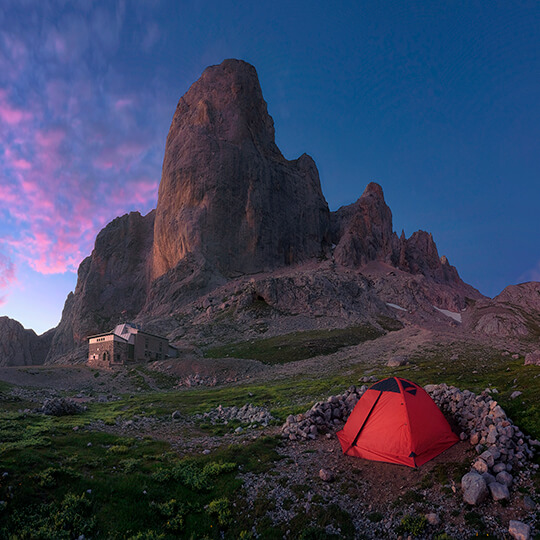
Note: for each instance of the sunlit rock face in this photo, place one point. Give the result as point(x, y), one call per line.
point(226, 190)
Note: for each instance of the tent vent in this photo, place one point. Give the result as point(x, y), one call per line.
point(387, 385)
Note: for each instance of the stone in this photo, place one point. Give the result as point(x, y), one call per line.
point(505, 478)
point(519, 530)
point(397, 361)
point(176, 415)
point(474, 488)
point(499, 492)
point(533, 358)
point(489, 478)
point(529, 503)
point(433, 519)
point(515, 394)
point(499, 467)
point(480, 466)
point(487, 456)
point(326, 476)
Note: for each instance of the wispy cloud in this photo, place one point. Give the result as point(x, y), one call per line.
point(7, 276)
point(532, 274)
point(78, 147)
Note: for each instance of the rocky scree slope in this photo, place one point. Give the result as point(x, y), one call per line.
point(231, 206)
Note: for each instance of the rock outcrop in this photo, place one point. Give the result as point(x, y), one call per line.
point(363, 232)
point(21, 347)
point(111, 286)
point(226, 190)
point(513, 313)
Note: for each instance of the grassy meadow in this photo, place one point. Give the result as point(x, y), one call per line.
point(61, 477)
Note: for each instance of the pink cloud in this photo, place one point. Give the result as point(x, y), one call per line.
point(9, 113)
point(122, 103)
point(78, 156)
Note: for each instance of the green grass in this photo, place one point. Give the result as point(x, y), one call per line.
point(115, 487)
point(296, 346)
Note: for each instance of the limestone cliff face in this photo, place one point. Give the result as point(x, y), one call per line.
point(111, 284)
point(362, 232)
point(21, 347)
point(226, 191)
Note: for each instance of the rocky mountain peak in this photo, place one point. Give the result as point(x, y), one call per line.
point(226, 102)
point(226, 191)
point(362, 231)
point(373, 190)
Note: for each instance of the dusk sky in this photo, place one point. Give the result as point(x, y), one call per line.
point(437, 101)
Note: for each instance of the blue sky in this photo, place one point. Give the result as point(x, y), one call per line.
point(436, 101)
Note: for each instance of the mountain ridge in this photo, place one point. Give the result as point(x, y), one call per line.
point(234, 216)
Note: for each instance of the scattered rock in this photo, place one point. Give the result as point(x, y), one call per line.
point(176, 415)
point(499, 492)
point(433, 519)
point(515, 394)
point(61, 407)
point(326, 475)
point(474, 488)
point(397, 361)
point(533, 358)
point(247, 414)
point(519, 530)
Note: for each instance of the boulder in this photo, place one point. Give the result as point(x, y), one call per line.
point(504, 478)
point(397, 361)
point(519, 530)
point(474, 488)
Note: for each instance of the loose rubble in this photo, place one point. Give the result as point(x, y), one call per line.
point(323, 417)
point(247, 414)
point(500, 444)
point(61, 407)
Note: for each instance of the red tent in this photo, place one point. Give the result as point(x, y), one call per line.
point(396, 421)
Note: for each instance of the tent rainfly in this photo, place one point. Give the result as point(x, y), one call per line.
point(398, 422)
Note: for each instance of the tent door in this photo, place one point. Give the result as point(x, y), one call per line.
point(365, 420)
